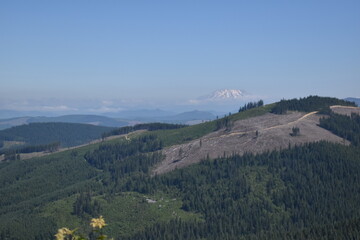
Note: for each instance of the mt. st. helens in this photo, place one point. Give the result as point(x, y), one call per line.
point(227, 94)
point(224, 94)
point(224, 100)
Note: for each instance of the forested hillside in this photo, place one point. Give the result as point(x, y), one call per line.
point(67, 134)
point(301, 192)
point(347, 127)
point(271, 194)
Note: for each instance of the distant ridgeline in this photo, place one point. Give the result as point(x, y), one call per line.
point(12, 153)
point(143, 126)
point(308, 104)
point(67, 134)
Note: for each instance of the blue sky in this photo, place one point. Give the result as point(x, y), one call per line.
point(170, 51)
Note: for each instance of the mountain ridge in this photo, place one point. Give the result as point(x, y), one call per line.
point(353, 99)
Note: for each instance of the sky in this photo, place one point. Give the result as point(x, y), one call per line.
point(115, 54)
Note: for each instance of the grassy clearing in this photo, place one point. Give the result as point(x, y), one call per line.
point(10, 144)
point(254, 112)
point(125, 214)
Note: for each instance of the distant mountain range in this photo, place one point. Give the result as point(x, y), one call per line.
point(140, 114)
point(191, 117)
point(87, 119)
point(84, 119)
point(127, 118)
point(355, 100)
point(219, 102)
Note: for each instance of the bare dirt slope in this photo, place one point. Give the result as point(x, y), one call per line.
point(273, 133)
point(345, 110)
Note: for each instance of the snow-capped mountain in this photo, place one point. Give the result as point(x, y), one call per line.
point(227, 94)
point(223, 95)
point(223, 100)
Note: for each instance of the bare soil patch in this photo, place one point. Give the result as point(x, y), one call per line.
point(345, 110)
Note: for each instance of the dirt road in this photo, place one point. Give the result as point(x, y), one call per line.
point(273, 127)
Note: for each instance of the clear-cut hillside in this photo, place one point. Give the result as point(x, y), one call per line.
point(253, 135)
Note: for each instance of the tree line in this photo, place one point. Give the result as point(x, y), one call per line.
point(308, 104)
point(251, 105)
point(14, 153)
point(344, 126)
point(51, 147)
